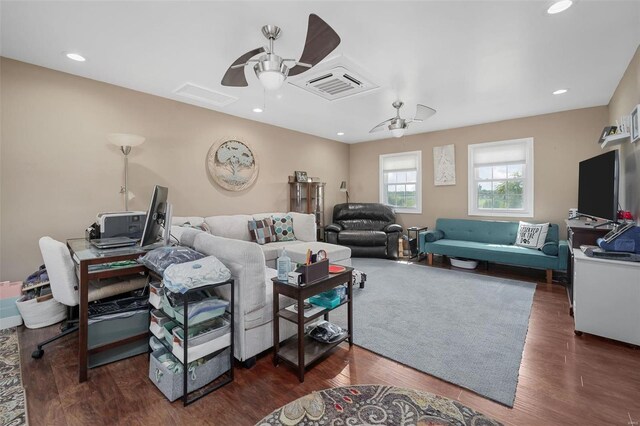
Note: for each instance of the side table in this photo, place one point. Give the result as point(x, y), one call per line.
point(300, 351)
point(414, 246)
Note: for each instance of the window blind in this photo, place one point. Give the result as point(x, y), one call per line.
point(500, 153)
point(399, 162)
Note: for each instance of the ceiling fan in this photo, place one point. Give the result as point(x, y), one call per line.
point(271, 69)
point(398, 125)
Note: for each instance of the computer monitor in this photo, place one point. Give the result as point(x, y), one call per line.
point(159, 215)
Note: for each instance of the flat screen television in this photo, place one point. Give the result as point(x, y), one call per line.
point(158, 216)
point(598, 186)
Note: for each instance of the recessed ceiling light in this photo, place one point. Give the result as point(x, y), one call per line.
point(75, 57)
point(257, 110)
point(559, 6)
point(560, 91)
point(340, 133)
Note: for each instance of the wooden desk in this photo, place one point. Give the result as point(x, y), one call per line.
point(84, 255)
point(301, 351)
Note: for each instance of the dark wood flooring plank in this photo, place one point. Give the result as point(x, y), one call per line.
point(564, 379)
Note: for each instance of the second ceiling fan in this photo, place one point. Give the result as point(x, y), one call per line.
point(398, 125)
point(271, 69)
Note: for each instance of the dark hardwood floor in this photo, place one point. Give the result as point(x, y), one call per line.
point(564, 380)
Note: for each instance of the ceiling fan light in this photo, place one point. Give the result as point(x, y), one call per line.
point(271, 80)
point(397, 133)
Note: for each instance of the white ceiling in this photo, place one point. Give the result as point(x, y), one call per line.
point(475, 62)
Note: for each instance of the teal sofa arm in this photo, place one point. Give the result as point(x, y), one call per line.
point(563, 255)
point(428, 237)
point(433, 235)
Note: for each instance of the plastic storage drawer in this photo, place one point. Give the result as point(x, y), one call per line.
point(110, 328)
point(207, 338)
point(171, 384)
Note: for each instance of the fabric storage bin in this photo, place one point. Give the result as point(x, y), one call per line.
point(204, 339)
point(172, 301)
point(10, 294)
point(39, 312)
point(155, 344)
point(170, 381)
point(156, 291)
point(157, 321)
point(167, 329)
point(204, 310)
point(105, 329)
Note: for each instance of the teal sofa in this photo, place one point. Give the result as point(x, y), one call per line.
point(493, 241)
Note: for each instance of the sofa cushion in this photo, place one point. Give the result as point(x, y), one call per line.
point(532, 235)
point(234, 227)
point(431, 236)
point(262, 231)
point(362, 238)
point(335, 253)
point(272, 250)
point(284, 228)
point(499, 253)
point(194, 221)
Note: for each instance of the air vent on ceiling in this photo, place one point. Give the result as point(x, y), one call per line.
point(205, 95)
point(335, 83)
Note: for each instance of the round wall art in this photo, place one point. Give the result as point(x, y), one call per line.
point(232, 164)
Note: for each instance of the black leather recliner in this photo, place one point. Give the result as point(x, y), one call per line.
point(368, 229)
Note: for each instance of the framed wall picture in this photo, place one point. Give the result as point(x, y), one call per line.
point(444, 165)
point(607, 131)
point(232, 164)
point(635, 125)
point(301, 176)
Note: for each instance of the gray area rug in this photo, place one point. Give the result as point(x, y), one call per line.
point(464, 328)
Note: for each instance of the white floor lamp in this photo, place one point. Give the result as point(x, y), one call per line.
point(125, 141)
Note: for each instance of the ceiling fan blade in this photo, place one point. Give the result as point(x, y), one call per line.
point(235, 76)
point(381, 126)
point(321, 40)
point(423, 112)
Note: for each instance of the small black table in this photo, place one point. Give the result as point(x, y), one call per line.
point(415, 246)
point(300, 351)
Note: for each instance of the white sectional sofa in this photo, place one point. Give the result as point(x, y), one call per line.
point(304, 228)
point(251, 267)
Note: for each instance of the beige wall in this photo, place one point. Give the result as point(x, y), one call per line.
point(58, 171)
point(624, 99)
point(561, 141)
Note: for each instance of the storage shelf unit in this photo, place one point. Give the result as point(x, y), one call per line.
point(219, 343)
point(308, 197)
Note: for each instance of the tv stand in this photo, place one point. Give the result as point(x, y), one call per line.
point(580, 215)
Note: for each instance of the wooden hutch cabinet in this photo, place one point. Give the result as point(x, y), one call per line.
point(308, 197)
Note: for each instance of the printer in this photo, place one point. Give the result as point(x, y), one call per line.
point(117, 224)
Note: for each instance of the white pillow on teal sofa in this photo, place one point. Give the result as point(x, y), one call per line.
point(532, 235)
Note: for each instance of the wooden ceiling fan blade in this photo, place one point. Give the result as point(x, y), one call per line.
point(321, 40)
point(235, 76)
point(423, 112)
point(381, 126)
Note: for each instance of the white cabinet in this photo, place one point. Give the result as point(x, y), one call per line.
point(606, 297)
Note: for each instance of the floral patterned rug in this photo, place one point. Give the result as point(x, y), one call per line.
point(375, 405)
point(12, 399)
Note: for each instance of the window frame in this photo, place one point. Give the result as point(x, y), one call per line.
point(381, 185)
point(528, 193)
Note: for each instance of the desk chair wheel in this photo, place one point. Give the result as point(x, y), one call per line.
point(37, 354)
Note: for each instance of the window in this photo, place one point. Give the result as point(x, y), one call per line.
point(400, 181)
point(501, 178)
